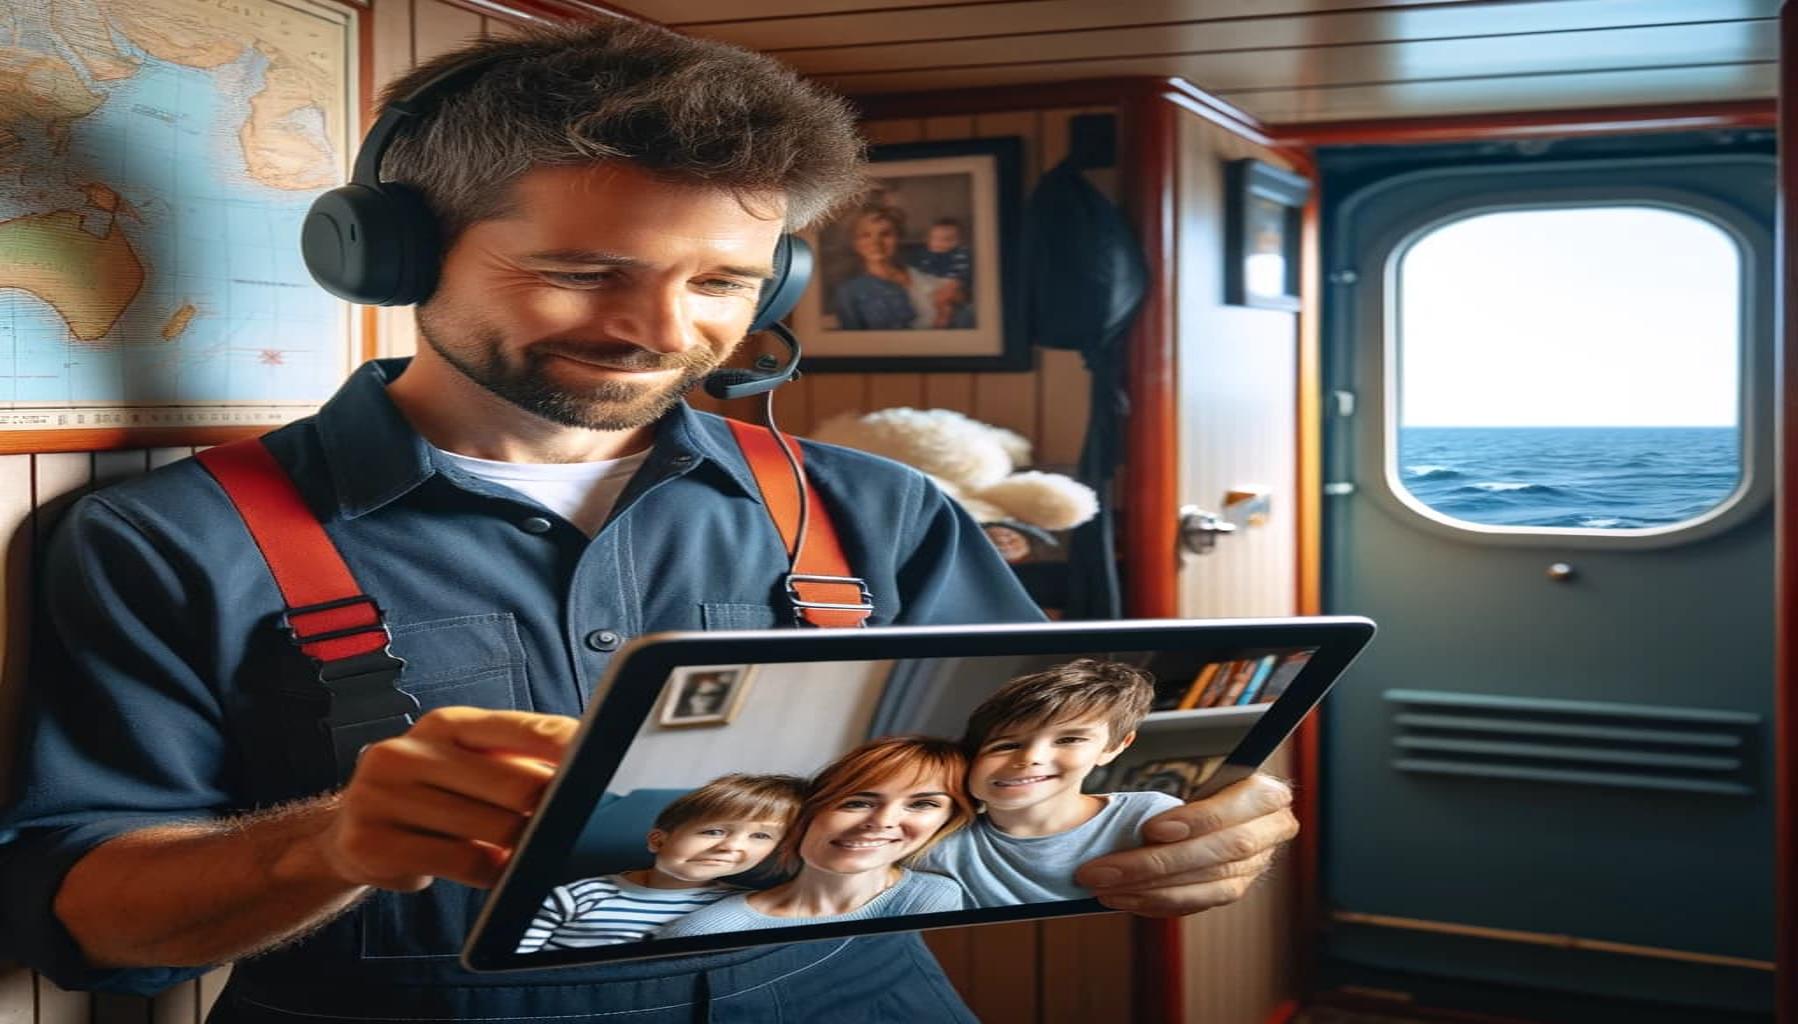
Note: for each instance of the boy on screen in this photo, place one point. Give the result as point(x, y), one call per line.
point(1032, 745)
point(725, 827)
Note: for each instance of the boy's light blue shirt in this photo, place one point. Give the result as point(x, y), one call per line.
point(999, 870)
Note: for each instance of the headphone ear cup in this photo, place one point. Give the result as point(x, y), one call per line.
point(792, 272)
point(374, 245)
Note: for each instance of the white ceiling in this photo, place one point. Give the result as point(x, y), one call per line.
point(1280, 60)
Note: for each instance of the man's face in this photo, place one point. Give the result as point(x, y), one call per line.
point(603, 294)
point(700, 851)
point(1023, 766)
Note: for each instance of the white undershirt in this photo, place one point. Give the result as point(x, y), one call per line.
point(581, 492)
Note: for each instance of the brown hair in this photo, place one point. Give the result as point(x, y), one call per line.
point(873, 762)
point(736, 797)
point(1078, 689)
point(689, 110)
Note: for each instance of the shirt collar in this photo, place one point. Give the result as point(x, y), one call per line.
point(375, 456)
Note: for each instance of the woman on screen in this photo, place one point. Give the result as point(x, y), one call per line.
point(868, 815)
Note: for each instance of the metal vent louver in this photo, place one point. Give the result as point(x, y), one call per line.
point(1640, 746)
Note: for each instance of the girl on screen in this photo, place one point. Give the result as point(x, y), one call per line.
point(867, 816)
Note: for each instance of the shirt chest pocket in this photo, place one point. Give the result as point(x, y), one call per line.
point(737, 616)
point(476, 661)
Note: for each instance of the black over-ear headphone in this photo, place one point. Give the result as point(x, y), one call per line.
point(375, 242)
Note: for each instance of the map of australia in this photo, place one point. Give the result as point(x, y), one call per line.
point(158, 157)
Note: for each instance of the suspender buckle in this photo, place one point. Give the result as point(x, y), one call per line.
point(367, 704)
point(862, 607)
point(377, 622)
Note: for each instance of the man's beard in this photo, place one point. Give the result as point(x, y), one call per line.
point(604, 405)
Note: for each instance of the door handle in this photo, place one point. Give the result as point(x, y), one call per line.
point(1199, 529)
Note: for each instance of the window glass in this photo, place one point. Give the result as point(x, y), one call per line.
point(1574, 367)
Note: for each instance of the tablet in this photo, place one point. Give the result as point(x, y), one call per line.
point(731, 789)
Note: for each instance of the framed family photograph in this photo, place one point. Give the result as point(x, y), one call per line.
point(705, 695)
point(920, 275)
point(1261, 234)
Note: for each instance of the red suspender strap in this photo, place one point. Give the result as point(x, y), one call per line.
point(328, 617)
point(822, 588)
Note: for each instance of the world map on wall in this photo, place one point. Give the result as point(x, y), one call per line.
point(156, 160)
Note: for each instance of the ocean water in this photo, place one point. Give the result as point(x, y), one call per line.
point(1593, 477)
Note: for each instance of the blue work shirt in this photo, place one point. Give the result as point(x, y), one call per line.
point(163, 691)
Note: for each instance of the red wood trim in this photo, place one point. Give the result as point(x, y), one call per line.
point(549, 10)
point(20, 442)
point(1785, 676)
point(1308, 921)
point(1524, 124)
point(1147, 179)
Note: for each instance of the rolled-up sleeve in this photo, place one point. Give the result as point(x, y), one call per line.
point(121, 731)
point(951, 574)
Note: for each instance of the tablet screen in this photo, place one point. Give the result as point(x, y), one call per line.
point(761, 797)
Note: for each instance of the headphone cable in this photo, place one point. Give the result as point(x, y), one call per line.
point(805, 501)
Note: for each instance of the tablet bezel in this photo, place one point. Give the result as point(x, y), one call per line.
point(634, 682)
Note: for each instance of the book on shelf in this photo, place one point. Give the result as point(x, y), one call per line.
point(1240, 673)
point(1288, 670)
point(1199, 683)
point(1219, 683)
point(1264, 667)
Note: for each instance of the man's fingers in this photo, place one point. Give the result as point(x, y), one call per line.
point(1180, 900)
point(1253, 797)
point(1250, 869)
point(545, 737)
point(1145, 865)
point(424, 857)
point(425, 808)
point(513, 783)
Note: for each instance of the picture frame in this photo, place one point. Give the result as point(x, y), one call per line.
point(922, 274)
point(1262, 224)
point(704, 695)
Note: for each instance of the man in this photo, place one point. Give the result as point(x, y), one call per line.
point(609, 197)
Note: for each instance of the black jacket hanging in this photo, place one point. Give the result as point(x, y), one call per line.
point(1084, 279)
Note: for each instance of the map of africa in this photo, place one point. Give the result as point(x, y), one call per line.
point(158, 157)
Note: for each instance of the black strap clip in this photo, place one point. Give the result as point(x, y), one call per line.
point(364, 701)
point(800, 604)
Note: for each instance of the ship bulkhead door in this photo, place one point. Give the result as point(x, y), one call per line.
point(1549, 473)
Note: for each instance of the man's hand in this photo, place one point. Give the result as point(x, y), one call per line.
point(1199, 856)
point(447, 799)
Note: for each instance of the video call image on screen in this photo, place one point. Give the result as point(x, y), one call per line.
point(767, 796)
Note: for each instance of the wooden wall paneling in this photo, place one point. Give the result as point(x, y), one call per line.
point(18, 1003)
point(1002, 973)
point(60, 1006)
point(210, 986)
point(179, 1005)
point(953, 948)
point(15, 604)
point(438, 27)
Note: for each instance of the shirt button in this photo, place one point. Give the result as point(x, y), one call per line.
point(604, 640)
point(535, 524)
point(682, 460)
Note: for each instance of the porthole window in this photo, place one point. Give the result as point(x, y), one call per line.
point(1568, 369)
